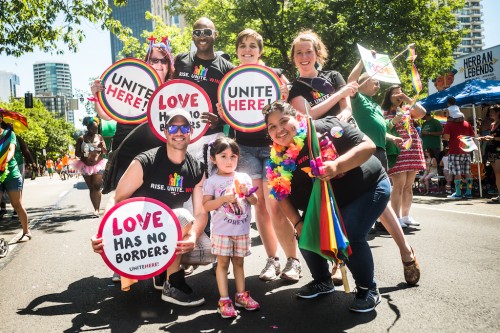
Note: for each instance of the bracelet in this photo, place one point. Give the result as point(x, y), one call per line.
point(299, 221)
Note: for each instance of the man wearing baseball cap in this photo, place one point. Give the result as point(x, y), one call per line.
point(171, 175)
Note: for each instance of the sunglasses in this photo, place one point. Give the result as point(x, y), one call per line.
point(154, 61)
point(172, 129)
point(203, 32)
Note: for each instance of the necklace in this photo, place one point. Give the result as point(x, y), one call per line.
point(281, 164)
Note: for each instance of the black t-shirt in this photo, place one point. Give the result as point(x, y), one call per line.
point(346, 188)
point(260, 138)
point(315, 97)
point(165, 181)
point(122, 130)
point(207, 74)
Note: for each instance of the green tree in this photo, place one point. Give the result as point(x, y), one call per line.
point(29, 24)
point(387, 26)
point(45, 130)
point(180, 41)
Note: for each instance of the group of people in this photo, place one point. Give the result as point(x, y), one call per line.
point(376, 145)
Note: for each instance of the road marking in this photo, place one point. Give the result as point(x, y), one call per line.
point(14, 241)
point(454, 211)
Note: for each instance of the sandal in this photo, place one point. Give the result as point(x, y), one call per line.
point(25, 237)
point(4, 248)
point(412, 270)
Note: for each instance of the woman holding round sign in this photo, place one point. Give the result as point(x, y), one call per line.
point(308, 53)
point(324, 92)
point(90, 148)
point(254, 143)
point(160, 70)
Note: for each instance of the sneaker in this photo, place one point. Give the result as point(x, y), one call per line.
point(271, 271)
point(115, 277)
point(174, 295)
point(409, 221)
point(226, 309)
point(3, 212)
point(292, 270)
point(244, 300)
point(467, 196)
point(314, 289)
point(365, 300)
point(402, 223)
point(188, 269)
point(495, 199)
point(159, 281)
point(454, 196)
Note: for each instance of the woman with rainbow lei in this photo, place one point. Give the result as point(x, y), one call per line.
point(11, 180)
point(360, 184)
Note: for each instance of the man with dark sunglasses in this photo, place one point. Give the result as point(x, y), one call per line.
point(171, 175)
point(206, 68)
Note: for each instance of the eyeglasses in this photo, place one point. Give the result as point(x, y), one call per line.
point(203, 32)
point(172, 129)
point(154, 61)
point(272, 107)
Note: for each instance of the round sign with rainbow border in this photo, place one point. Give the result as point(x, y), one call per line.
point(244, 92)
point(128, 86)
point(182, 94)
point(139, 236)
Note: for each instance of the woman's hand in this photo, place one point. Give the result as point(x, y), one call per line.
point(402, 96)
point(96, 87)
point(284, 92)
point(210, 118)
point(349, 90)
point(398, 141)
point(97, 244)
point(330, 169)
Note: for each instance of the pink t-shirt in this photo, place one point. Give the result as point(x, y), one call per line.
point(230, 219)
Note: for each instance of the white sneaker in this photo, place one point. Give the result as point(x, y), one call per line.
point(292, 270)
point(410, 221)
point(271, 271)
point(402, 222)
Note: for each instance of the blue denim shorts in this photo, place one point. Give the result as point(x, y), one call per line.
point(12, 185)
point(253, 160)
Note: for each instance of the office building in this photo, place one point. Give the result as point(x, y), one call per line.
point(8, 82)
point(53, 86)
point(133, 16)
point(470, 18)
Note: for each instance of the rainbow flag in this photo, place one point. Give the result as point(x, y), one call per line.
point(441, 119)
point(411, 54)
point(4, 149)
point(467, 143)
point(415, 79)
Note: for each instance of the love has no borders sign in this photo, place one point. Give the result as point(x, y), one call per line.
point(139, 236)
point(182, 94)
point(243, 93)
point(128, 86)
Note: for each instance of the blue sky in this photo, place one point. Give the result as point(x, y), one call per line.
point(94, 55)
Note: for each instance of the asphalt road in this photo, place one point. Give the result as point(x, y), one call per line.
point(55, 283)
